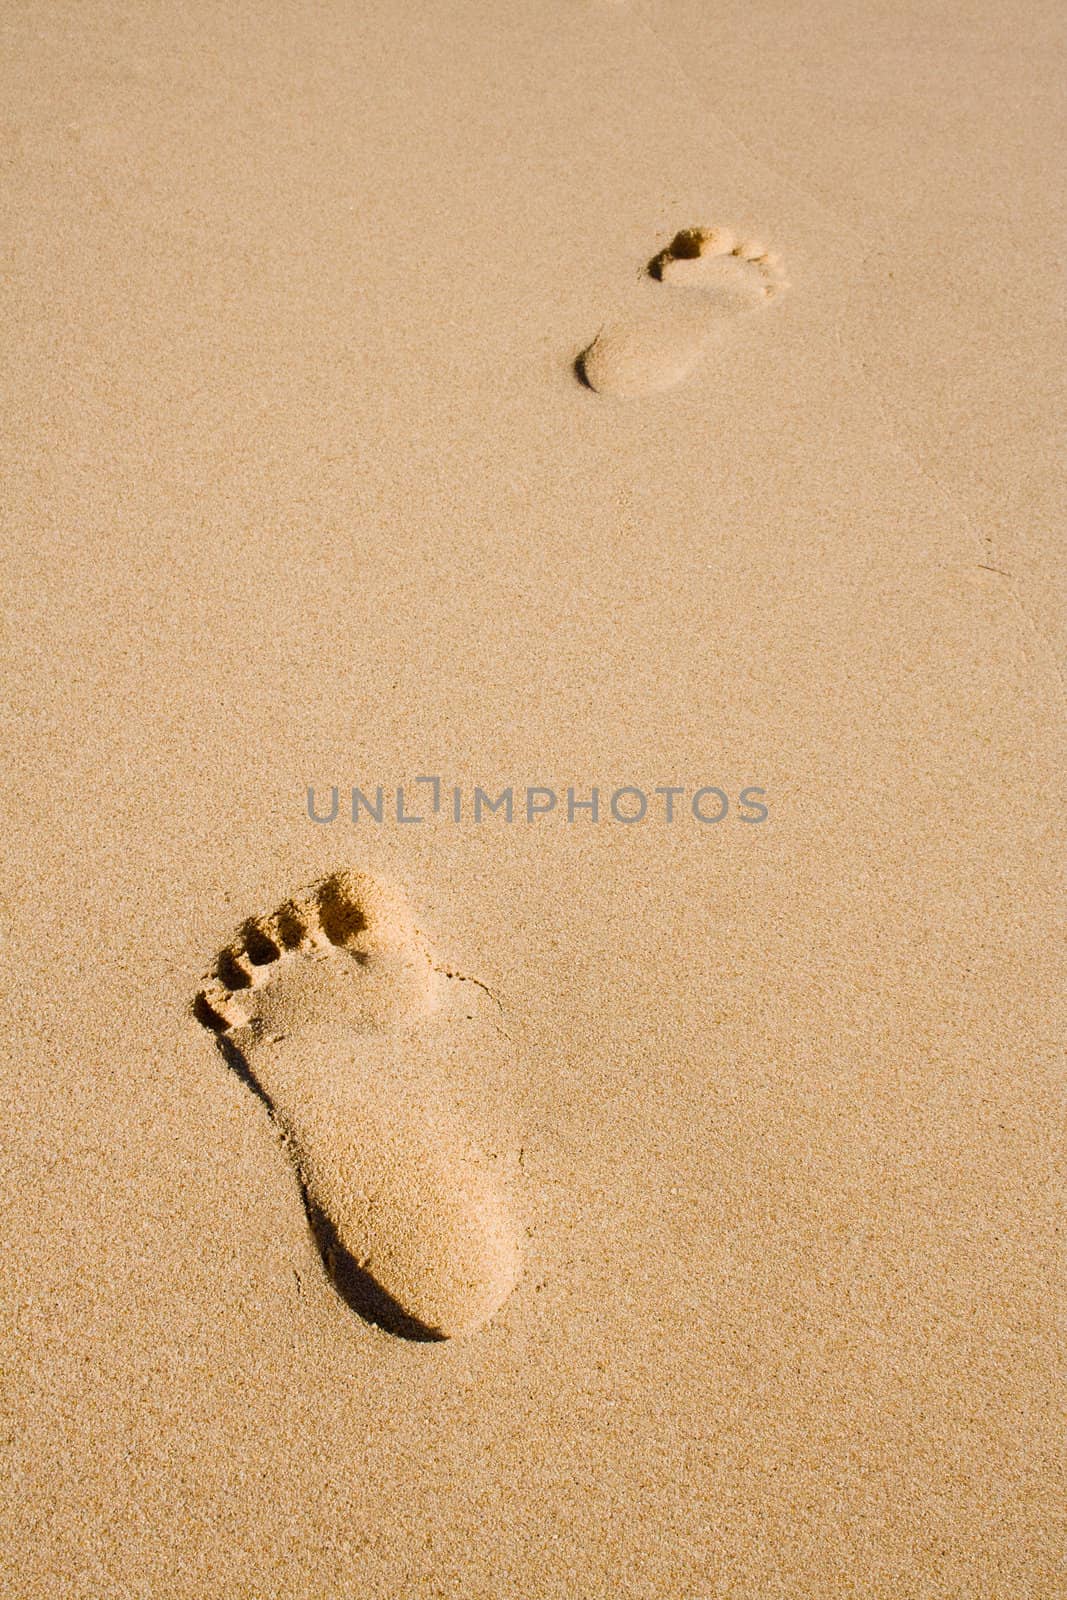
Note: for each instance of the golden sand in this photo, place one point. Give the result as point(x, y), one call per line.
point(611, 1209)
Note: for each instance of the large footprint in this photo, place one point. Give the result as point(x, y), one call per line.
point(646, 355)
point(322, 1007)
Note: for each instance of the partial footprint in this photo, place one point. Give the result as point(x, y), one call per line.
point(323, 1007)
point(646, 355)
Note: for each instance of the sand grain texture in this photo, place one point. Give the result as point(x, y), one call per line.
point(746, 1137)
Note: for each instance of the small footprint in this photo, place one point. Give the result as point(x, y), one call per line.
point(322, 1006)
point(645, 355)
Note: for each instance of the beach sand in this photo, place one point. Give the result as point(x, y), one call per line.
point(714, 1167)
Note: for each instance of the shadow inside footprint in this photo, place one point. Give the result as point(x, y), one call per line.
point(688, 244)
point(410, 1227)
point(356, 1286)
point(579, 372)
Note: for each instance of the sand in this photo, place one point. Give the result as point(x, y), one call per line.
point(726, 1155)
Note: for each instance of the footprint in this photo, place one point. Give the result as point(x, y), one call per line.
point(646, 355)
point(324, 1008)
